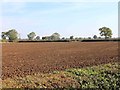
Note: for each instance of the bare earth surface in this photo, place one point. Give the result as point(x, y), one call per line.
point(28, 58)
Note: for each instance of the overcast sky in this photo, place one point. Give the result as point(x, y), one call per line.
point(80, 19)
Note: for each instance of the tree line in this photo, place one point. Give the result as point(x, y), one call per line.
point(12, 35)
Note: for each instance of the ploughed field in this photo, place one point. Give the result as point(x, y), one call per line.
point(20, 59)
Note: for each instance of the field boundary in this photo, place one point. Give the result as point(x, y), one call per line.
point(82, 40)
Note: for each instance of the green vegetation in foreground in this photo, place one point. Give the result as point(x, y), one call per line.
point(105, 77)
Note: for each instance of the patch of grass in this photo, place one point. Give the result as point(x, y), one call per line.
point(104, 77)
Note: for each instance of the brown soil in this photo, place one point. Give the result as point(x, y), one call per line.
point(28, 58)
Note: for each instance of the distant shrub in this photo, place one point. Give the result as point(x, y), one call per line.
point(4, 40)
point(95, 36)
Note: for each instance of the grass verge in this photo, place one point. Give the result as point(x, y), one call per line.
point(105, 76)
